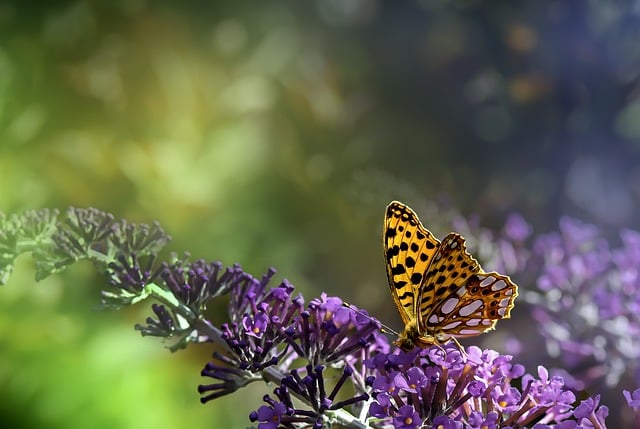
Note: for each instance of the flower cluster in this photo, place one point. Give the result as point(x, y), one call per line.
point(436, 387)
point(329, 362)
point(272, 332)
point(57, 241)
point(184, 287)
point(585, 302)
point(312, 390)
point(447, 388)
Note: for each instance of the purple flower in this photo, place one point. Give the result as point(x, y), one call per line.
point(255, 326)
point(567, 424)
point(478, 420)
point(633, 398)
point(191, 285)
point(330, 364)
point(589, 414)
point(195, 283)
point(444, 422)
point(256, 336)
point(377, 410)
point(578, 236)
point(407, 418)
point(412, 381)
point(473, 389)
point(507, 400)
point(386, 384)
point(269, 416)
point(229, 377)
point(585, 304)
point(516, 228)
point(477, 388)
point(587, 407)
point(128, 276)
point(164, 326)
point(309, 385)
point(328, 331)
point(270, 331)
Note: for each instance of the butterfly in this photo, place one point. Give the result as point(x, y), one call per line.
point(440, 290)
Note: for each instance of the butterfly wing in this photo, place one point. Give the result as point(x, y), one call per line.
point(408, 250)
point(458, 298)
point(475, 309)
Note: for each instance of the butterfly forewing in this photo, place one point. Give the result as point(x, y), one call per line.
point(408, 250)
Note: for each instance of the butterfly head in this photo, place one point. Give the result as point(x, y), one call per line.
point(404, 343)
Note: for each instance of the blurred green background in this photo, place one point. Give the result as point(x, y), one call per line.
point(274, 133)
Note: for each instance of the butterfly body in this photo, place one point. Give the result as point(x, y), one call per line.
point(411, 337)
point(440, 290)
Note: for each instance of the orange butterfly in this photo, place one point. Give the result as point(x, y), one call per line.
point(441, 292)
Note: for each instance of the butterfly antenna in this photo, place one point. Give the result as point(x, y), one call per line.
point(460, 346)
point(383, 328)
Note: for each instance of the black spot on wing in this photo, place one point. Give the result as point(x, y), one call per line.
point(400, 284)
point(416, 278)
point(441, 291)
point(398, 269)
point(407, 294)
point(390, 233)
point(392, 252)
point(410, 262)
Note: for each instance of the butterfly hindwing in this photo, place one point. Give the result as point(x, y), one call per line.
point(474, 308)
point(408, 250)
